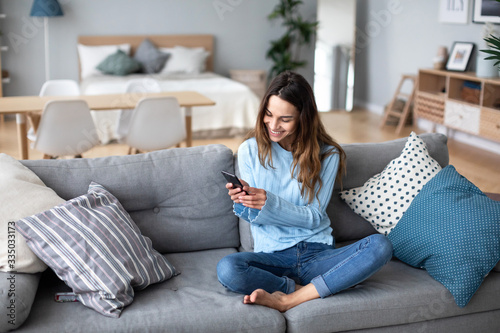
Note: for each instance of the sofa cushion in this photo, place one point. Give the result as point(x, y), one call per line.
point(193, 301)
point(363, 161)
point(157, 190)
point(398, 294)
point(451, 229)
point(22, 194)
point(17, 293)
point(383, 199)
point(93, 245)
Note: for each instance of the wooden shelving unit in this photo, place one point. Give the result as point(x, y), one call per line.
point(460, 101)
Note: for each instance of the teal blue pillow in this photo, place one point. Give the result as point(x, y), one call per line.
point(451, 229)
point(119, 63)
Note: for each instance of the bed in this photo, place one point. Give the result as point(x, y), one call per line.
point(189, 67)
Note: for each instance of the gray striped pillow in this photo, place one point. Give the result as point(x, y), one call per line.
point(93, 245)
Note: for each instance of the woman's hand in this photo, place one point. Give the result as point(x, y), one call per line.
point(256, 197)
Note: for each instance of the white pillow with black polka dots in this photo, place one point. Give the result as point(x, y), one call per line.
point(384, 198)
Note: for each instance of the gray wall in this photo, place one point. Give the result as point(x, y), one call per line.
point(241, 29)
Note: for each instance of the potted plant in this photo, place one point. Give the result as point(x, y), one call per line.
point(483, 65)
point(494, 48)
point(494, 51)
point(285, 51)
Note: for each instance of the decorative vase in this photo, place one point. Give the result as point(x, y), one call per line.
point(441, 57)
point(485, 68)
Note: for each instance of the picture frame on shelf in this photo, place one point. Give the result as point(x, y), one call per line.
point(460, 56)
point(454, 11)
point(486, 11)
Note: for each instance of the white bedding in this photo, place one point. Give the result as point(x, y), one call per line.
point(234, 113)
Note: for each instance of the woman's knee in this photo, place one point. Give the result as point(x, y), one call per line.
point(227, 269)
point(381, 245)
point(224, 268)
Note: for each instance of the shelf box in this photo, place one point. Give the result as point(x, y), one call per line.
point(491, 96)
point(465, 90)
point(432, 83)
point(462, 116)
point(490, 124)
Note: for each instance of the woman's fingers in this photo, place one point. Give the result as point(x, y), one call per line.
point(256, 197)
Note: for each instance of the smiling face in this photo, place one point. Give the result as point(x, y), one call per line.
point(281, 119)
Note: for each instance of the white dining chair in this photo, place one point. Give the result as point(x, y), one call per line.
point(66, 128)
point(156, 123)
point(53, 88)
point(136, 86)
point(60, 88)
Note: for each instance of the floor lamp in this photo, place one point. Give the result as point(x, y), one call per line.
point(46, 9)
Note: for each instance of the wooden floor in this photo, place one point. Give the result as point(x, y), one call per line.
point(479, 166)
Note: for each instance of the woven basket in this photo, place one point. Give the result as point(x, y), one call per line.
point(490, 124)
point(430, 107)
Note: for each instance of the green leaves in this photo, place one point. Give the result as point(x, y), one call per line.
point(284, 52)
point(494, 44)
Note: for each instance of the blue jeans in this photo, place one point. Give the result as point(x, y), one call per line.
point(330, 270)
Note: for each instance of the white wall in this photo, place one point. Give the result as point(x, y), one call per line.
point(396, 37)
point(241, 29)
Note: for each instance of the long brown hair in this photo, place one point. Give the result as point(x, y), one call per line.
point(311, 135)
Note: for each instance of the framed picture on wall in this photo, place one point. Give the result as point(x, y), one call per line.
point(454, 11)
point(486, 11)
point(460, 56)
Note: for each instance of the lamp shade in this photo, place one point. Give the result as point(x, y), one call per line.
point(46, 8)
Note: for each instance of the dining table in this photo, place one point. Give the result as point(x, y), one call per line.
point(25, 106)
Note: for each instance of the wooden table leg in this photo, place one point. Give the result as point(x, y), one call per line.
point(189, 133)
point(22, 140)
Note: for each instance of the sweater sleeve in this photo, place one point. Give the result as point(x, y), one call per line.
point(246, 171)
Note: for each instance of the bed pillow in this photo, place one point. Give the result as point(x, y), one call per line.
point(151, 59)
point(94, 246)
point(22, 194)
point(451, 229)
point(185, 60)
point(119, 63)
point(384, 198)
point(91, 56)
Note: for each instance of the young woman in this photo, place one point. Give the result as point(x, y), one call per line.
point(288, 167)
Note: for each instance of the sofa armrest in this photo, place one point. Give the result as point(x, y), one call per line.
point(17, 291)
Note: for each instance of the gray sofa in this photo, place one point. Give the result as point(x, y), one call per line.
point(177, 198)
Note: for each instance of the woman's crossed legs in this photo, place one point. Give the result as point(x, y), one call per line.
point(284, 279)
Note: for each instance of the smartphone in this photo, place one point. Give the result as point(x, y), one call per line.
point(65, 297)
point(233, 179)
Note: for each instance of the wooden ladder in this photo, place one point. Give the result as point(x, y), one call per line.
point(403, 116)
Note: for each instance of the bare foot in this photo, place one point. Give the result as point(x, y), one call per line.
point(281, 301)
point(276, 300)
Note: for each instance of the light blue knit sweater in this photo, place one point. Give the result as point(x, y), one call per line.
point(286, 218)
